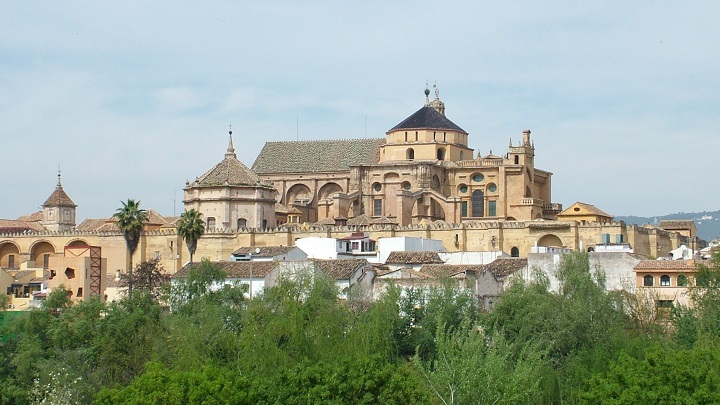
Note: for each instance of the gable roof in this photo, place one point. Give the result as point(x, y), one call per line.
point(676, 224)
point(248, 269)
point(341, 269)
point(263, 251)
point(427, 118)
point(505, 266)
point(15, 226)
point(317, 156)
point(414, 258)
point(449, 270)
point(587, 208)
point(36, 216)
point(681, 265)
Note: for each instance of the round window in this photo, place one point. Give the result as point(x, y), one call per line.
point(406, 186)
point(478, 178)
point(463, 188)
point(377, 186)
point(492, 187)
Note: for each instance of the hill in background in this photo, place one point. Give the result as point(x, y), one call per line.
point(707, 222)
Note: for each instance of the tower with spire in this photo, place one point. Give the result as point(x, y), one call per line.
point(59, 210)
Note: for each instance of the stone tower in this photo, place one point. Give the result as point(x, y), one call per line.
point(59, 210)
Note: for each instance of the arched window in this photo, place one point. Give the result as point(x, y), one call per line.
point(210, 223)
point(241, 223)
point(441, 154)
point(515, 252)
point(648, 281)
point(478, 203)
point(665, 280)
point(410, 154)
point(682, 280)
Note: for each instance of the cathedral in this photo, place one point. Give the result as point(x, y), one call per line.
point(423, 170)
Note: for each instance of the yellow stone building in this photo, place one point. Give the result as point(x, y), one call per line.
point(420, 180)
point(423, 170)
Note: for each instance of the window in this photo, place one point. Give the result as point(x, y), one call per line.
point(11, 261)
point(46, 260)
point(478, 203)
point(410, 154)
point(682, 280)
point(492, 187)
point(211, 223)
point(478, 178)
point(406, 185)
point(416, 136)
point(80, 292)
point(463, 209)
point(377, 207)
point(441, 154)
point(492, 211)
point(463, 188)
point(606, 238)
point(515, 252)
point(665, 280)
point(69, 272)
point(517, 159)
point(648, 281)
point(241, 223)
point(619, 238)
point(377, 186)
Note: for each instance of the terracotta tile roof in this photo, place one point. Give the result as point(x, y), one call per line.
point(449, 270)
point(589, 207)
point(97, 224)
point(503, 266)
point(59, 198)
point(414, 258)
point(359, 220)
point(340, 269)
point(326, 221)
point(281, 209)
point(677, 224)
point(317, 156)
point(680, 265)
point(427, 118)
point(265, 251)
point(15, 226)
point(230, 171)
point(34, 217)
point(383, 220)
point(237, 269)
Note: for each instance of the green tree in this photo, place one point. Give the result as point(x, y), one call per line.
point(149, 276)
point(130, 218)
point(191, 227)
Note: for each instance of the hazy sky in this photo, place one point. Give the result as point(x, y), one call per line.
point(131, 99)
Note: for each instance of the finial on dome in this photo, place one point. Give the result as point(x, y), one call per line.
point(230, 150)
point(59, 182)
point(427, 94)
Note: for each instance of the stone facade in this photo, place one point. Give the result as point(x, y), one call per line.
point(423, 170)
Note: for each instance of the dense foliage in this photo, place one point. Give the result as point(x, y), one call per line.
point(201, 340)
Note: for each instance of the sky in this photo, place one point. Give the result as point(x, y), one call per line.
point(131, 99)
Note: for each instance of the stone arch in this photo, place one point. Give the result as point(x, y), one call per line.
point(328, 189)
point(436, 185)
point(9, 255)
point(391, 177)
point(40, 253)
point(299, 194)
point(550, 240)
point(428, 208)
point(77, 243)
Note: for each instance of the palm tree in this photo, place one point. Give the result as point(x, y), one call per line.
point(130, 218)
point(191, 227)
